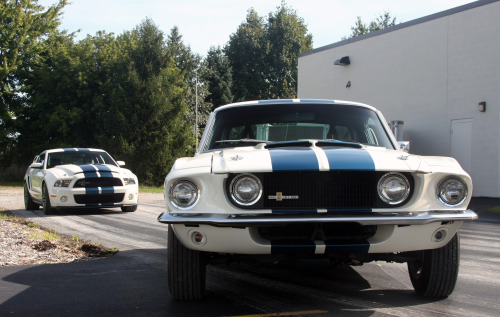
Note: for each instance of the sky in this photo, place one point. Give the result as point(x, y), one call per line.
point(207, 23)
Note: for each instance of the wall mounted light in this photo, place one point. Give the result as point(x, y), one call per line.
point(344, 61)
point(481, 106)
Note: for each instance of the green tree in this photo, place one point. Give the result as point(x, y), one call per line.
point(287, 37)
point(191, 67)
point(383, 21)
point(59, 109)
point(264, 56)
point(124, 94)
point(150, 101)
point(246, 51)
point(23, 26)
point(218, 77)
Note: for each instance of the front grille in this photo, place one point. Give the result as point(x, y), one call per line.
point(320, 190)
point(341, 233)
point(98, 182)
point(99, 198)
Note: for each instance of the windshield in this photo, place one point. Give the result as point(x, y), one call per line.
point(249, 125)
point(78, 158)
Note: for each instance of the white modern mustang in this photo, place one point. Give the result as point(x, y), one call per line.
point(79, 177)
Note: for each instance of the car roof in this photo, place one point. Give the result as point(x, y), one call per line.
point(74, 150)
point(293, 101)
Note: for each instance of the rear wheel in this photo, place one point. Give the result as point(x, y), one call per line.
point(29, 204)
point(47, 208)
point(186, 270)
point(435, 272)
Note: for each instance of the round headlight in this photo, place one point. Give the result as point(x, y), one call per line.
point(183, 194)
point(245, 189)
point(452, 191)
point(393, 188)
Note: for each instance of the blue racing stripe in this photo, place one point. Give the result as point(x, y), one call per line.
point(89, 171)
point(293, 159)
point(349, 159)
point(107, 190)
point(332, 247)
point(92, 190)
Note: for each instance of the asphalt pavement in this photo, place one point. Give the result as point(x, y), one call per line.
point(123, 285)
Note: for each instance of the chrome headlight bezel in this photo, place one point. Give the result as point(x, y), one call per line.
point(62, 182)
point(393, 180)
point(129, 181)
point(239, 183)
point(443, 191)
point(191, 194)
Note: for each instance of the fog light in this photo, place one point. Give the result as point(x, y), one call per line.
point(130, 196)
point(64, 199)
point(198, 238)
point(439, 235)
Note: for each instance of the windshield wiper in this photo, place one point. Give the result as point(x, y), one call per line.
point(242, 141)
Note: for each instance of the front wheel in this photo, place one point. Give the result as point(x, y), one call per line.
point(186, 270)
point(435, 272)
point(29, 204)
point(46, 206)
point(129, 208)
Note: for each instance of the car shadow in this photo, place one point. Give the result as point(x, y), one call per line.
point(134, 283)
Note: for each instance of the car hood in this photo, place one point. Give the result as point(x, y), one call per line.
point(313, 158)
point(72, 169)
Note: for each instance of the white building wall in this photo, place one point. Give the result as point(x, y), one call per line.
point(426, 73)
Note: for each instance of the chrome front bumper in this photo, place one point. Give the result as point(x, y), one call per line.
point(255, 220)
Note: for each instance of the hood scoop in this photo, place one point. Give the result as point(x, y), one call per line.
point(300, 143)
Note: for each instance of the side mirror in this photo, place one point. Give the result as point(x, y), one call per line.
point(36, 165)
point(120, 163)
point(404, 146)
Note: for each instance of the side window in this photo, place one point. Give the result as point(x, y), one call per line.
point(40, 158)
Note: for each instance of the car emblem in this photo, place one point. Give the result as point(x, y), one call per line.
point(236, 158)
point(280, 197)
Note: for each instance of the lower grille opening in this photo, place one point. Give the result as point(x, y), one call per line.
point(99, 198)
point(342, 233)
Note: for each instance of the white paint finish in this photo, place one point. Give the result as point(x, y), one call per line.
point(427, 75)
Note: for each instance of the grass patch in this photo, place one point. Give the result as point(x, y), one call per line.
point(11, 184)
point(5, 215)
point(495, 209)
point(150, 189)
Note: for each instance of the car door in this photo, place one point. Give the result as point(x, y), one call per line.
point(36, 174)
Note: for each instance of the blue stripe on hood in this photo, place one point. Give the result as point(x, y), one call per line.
point(293, 159)
point(341, 158)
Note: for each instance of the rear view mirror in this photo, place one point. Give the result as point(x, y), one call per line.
point(404, 146)
point(36, 165)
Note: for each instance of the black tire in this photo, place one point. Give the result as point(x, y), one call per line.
point(435, 272)
point(29, 204)
point(129, 208)
point(186, 270)
point(47, 208)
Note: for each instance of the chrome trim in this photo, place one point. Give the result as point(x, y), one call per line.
point(249, 220)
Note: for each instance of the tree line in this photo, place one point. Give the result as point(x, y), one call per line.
point(132, 94)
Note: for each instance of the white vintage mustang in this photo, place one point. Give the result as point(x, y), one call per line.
point(79, 177)
point(312, 179)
